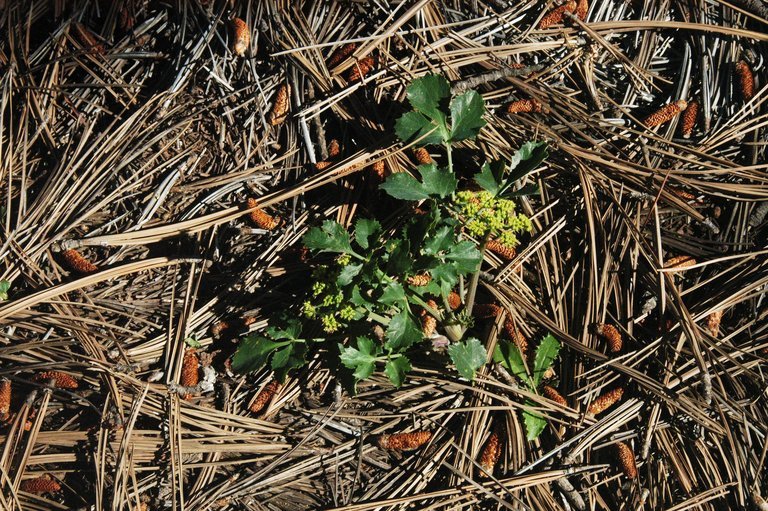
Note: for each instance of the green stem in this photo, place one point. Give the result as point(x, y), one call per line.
point(476, 276)
point(379, 318)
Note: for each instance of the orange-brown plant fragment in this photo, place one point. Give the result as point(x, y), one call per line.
point(746, 80)
point(334, 148)
point(504, 251)
point(190, 376)
point(626, 460)
point(713, 322)
point(60, 380)
point(5, 398)
point(611, 335)
point(279, 111)
point(380, 169)
point(556, 15)
point(552, 394)
point(486, 310)
point(665, 113)
point(361, 68)
point(491, 452)
point(582, 9)
point(261, 218)
point(420, 280)
point(524, 106)
point(683, 261)
point(264, 397)
point(690, 115)
point(422, 156)
point(404, 441)
point(515, 335)
point(88, 39)
point(40, 485)
point(340, 54)
point(76, 262)
point(241, 36)
point(605, 401)
point(454, 300)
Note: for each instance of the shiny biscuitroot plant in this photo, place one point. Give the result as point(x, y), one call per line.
point(368, 299)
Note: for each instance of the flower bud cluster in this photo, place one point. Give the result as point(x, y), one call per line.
point(489, 215)
point(326, 301)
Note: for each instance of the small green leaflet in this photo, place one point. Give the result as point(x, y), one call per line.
point(288, 358)
point(468, 357)
point(435, 182)
point(4, 287)
point(192, 342)
point(253, 353)
point(361, 359)
point(467, 116)
point(414, 126)
point(366, 231)
point(534, 423)
point(491, 176)
point(546, 353)
point(332, 237)
point(348, 273)
point(396, 369)
point(427, 93)
point(508, 355)
point(402, 332)
point(526, 159)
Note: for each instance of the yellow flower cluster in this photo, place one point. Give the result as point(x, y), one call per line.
point(485, 214)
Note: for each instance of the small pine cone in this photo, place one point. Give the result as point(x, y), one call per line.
point(76, 262)
point(334, 148)
point(556, 15)
point(340, 54)
point(189, 369)
point(683, 261)
point(746, 80)
point(40, 485)
point(5, 398)
point(322, 165)
point(420, 280)
point(261, 218)
point(454, 300)
point(422, 156)
point(219, 328)
point(690, 116)
point(713, 322)
point(524, 106)
point(279, 110)
point(486, 310)
point(360, 69)
point(265, 396)
point(491, 452)
point(582, 8)
point(60, 380)
point(380, 169)
point(611, 335)
point(502, 250)
point(430, 303)
point(605, 401)
point(665, 113)
point(626, 460)
point(428, 325)
point(681, 193)
point(516, 336)
point(404, 441)
point(553, 395)
point(88, 39)
point(241, 36)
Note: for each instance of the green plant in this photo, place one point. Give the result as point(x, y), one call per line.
point(509, 356)
point(367, 300)
point(4, 287)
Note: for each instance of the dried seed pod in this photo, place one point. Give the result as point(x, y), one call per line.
point(713, 322)
point(340, 54)
point(76, 262)
point(190, 376)
point(264, 397)
point(322, 165)
point(665, 113)
point(746, 80)
point(683, 261)
point(40, 485)
point(260, 218)
point(420, 280)
point(690, 115)
point(454, 300)
point(582, 8)
point(60, 380)
point(605, 401)
point(626, 460)
point(241, 36)
point(524, 106)
point(553, 395)
point(611, 335)
point(491, 452)
point(422, 156)
point(428, 325)
point(516, 336)
point(360, 69)
point(486, 310)
point(280, 107)
point(556, 15)
point(88, 39)
point(380, 169)
point(404, 441)
point(5, 398)
point(502, 250)
point(334, 148)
